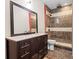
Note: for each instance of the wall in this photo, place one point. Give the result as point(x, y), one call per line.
point(7, 18)
point(62, 17)
point(61, 21)
point(36, 6)
point(61, 36)
point(59, 27)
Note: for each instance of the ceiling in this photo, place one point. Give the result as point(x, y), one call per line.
point(52, 4)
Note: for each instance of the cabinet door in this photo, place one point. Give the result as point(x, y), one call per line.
point(44, 39)
point(42, 42)
point(43, 46)
point(25, 56)
point(42, 52)
point(34, 45)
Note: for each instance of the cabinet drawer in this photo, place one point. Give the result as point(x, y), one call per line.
point(26, 55)
point(23, 44)
point(42, 52)
point(23, 51)
point(45, 50)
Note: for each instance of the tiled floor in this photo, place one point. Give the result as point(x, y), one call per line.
point(59, 53)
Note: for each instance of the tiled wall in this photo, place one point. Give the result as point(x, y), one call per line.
point(69, 7)
point(65, 37)
point(63, 22)
point(48, 21)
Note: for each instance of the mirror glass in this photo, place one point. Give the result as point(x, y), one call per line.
point(23, 20)
point(32, 22)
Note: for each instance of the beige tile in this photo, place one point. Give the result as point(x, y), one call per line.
point(59, 53)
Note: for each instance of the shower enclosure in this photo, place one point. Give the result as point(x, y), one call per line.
point(59, 24)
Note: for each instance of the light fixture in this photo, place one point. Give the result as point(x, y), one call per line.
point(28, 4)
point(28, 1)
point(66, 4)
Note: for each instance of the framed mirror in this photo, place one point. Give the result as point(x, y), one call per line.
point(23, 20)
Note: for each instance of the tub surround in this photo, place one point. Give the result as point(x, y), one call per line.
point(59, 24)
point(60, 36)
point(65, 45)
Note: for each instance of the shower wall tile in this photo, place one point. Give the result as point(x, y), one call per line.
point(65, 37)
point(63, 21)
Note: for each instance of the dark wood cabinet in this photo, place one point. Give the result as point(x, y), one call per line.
point(33, 46)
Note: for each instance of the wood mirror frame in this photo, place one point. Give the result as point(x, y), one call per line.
point(12, 18)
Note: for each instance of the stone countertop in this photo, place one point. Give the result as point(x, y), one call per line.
point(22, 37)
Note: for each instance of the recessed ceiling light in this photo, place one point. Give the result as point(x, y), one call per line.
point(65, 4)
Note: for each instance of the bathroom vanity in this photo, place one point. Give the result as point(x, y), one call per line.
point(32, 46)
